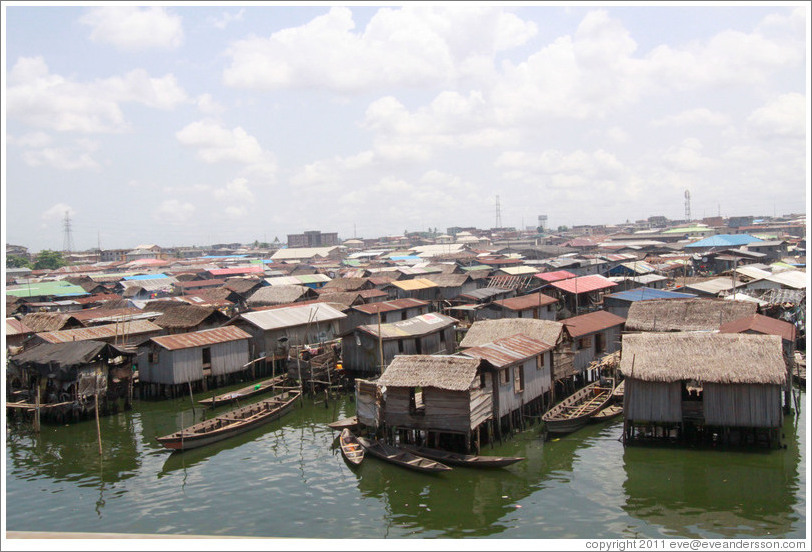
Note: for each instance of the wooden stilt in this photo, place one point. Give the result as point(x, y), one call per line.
point(98, 425)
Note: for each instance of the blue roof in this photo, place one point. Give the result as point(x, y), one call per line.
point(725, 240)
point(145, 277)
point(643, 293)
point(406, 258)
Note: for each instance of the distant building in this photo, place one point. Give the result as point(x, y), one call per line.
point(313, 238)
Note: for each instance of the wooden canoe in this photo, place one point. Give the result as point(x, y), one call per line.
point(574, 412)
point(231, 423)
point(244, 393)
point(617, 393)
point(467, 460)
point(346, 423)
point(609, 413)
point(351, 449)
point(401, 457)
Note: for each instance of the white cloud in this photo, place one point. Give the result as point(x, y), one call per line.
point(782, 116)
point(216, 143)
point(133, 29)
point(226, 18)
point(172, 211)
point(57, 212)
point(40, 98)
point(64, 159)
point(30, 140)
point(687, 157)
point(693, 117)
point(409, 46)
point(208, 105)
point(236, 191)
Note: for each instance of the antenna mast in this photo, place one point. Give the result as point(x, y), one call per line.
point(688, 205)
point(67, 241)
point(498, 214)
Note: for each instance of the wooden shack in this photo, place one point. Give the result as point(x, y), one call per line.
point(390, 311)
point(434, 398)
point(61, 381)
point(123, 334)
point(593, 335)
point(684, 315)
point(426, 334)
point(521, 378)
point(200, 359)
point(707, 387)
point(533, 305)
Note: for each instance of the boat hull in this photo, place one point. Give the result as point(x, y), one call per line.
point(464, 460)
point(575, 411)
point(200, 435)
point(401, 457)
point(351, 449)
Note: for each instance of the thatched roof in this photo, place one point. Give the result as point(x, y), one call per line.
point(279, 295)
point(488, 331)
point(685, 314)
point(346, 284)
point(48, 321)
point(184, 315)
point(443, 372)
point(704, 357)
point(242, 286)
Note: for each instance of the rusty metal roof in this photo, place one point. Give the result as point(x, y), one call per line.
point(202, 338)
point(760, 324)
point(417, 283)
point(509, 350)
point(124, 329)
point(287, 317)
point(16, 327)
point(387, 306)
point(555, 275)
point(592, 322)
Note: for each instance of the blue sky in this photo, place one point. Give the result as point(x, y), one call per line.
point(191, 125)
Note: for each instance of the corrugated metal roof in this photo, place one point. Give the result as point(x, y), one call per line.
point(584, 284)
point(714, 286)
point(792, 278)
point(484, 293)
point(761, 324)
point(201, 338)
point(302, 252)
point(129, 328)
point(724, 240)
point(592, 322)
point(251, 269)
point(387, 306)
point(518, 270)
point(508, 350)
point(524, 302)
point(59, 288)
point(555, 275)
point(146, 276)
point(412, 327)
point(645, 293)
point(411, 285)
point(287, 317)
point(16, 327)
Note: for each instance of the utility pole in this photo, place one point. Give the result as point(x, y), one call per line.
point(67, 239)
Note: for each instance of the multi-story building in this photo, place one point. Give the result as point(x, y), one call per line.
point(313, 238)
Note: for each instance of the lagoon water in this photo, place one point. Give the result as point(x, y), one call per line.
point(288, 479)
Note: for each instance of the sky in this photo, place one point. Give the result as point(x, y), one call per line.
point(189, 125)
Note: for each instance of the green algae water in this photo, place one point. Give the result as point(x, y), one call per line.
point(288, 479)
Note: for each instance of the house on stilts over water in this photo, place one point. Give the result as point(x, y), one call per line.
point(710, 388)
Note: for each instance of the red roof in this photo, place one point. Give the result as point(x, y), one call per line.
point(584, 284)
point(592, 322)
point(760, 324)
point(254, 269)
point(555, 276)
point(524, 302)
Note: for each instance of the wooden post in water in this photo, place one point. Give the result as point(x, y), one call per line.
point(192, 397)
point(36, 413)
point(98, 425)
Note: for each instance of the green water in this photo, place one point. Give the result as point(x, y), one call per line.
point(288, 479)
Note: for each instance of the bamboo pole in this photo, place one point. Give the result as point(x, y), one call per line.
point(380, 341)
point(36, 414)
point(192, 397)
point(98, 424)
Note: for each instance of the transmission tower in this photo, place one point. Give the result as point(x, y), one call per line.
point(688, 205)
point(67, 241)
point(498, 214)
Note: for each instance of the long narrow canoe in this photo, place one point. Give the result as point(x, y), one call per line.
point(609, 413)
point(346, 423)
point(574, 412)
point(401, 457)
point(467, 460)
point(617, 394)
point(351, 449)
point(244, 393)
point(231, 423)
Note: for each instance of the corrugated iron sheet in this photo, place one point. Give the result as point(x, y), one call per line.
point(16, 327)
point(524, 302)
point(107, 331)
point(287, 317)
point(509, 350)
point(592, 322)
point(412, 327)
point(584, 284)
point(417, 283)
point(387, 306)
point(202, 338)
point(761, 324)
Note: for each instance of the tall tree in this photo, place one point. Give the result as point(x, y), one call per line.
point(47, 259)
point(15, 261)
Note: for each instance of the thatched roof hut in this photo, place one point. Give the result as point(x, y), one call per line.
point(280, 295)
point(443, 372)
point(178, 315)
point(704, 357)
point(665, 315)
point(488, 331)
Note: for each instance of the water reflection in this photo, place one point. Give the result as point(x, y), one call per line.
point(710, 493)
